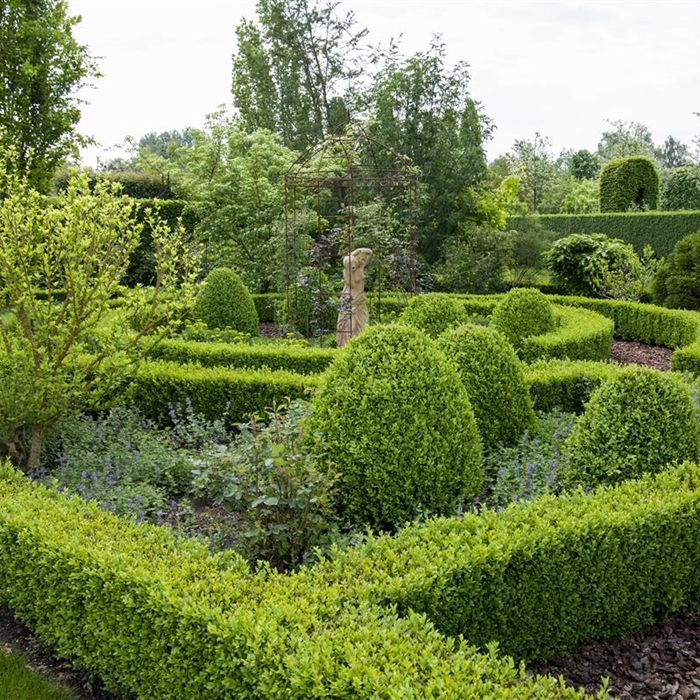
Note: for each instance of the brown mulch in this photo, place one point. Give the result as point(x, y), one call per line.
point(661, 662)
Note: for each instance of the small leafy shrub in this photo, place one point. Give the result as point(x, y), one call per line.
point(393, 418)
point(225, 302)
point(311, 306)
point(637, 422)
point(281, 499)
point(579, 262)
point(201, 333)
point(529, 469)
point(434, 313)
point(681, 189)
point(476, 260)
point(677, 282)
point(493, 377)
point(523, 313)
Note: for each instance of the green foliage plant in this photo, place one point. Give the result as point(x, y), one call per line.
point(42, 68)
point(630, 183)
point(583, 263)
point(273, 485)
point(677, 283)
point(522, 313)
point(659, 229)
point(476, 260)
point(640, 421)
point(434, 313)
point(681, 189)
point(54, 359)
point(213, 391)
point(310, 306)
point(393, 418)
point(493, 377)
point(223, 301)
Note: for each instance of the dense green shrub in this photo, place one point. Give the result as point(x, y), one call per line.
point(579, 262)
point(475, 260)
point(214, 392)
point(630, 183)
point(659, 229)
point(225, 302)
point(434, 313)
point(677, 283)
point(392, 416)
point(566, 385)
point(580, 334)
point(156, 616)
point(522, 313)
point(292, 359)
point(681, 188)
point(639, 421)
point(266, 305)
point(546, 576)
point(493, 377)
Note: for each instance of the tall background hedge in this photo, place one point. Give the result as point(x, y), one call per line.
point(660, 230)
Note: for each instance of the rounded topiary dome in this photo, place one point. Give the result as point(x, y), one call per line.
point(434, 313)
point(523, 313)
point(630, 183)
point(637, 422)
point(393, 417)
point(495, 382)
point(225, 302)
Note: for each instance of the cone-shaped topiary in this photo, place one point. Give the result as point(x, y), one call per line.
point(637, 422)
point(393, 417)
point(522, 313)
point(225, 302)
point(676, 284)
point(434, 313)
point(493, 377)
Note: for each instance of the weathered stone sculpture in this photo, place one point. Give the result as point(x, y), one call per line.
point(353, 316)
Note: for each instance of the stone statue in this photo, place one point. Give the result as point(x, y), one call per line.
point(353, 316)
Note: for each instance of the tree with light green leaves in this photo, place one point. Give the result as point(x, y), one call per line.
point(235, 182)
point(61, 262)
point(293, 69)
point(534, 164)
point(42, 67)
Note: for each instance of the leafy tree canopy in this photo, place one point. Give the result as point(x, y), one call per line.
point(41, 68)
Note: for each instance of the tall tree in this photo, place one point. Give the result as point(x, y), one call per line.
point(533, 163)
point(423, 110)
point(674, 154)
point(292, 67)
point(626, 139)
point(41, 68)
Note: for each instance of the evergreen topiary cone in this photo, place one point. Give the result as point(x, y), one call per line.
point(225, 302)
point(434, 313)
point(393, 417)
point(495, 382)
point(638, 422)
point(522, 313)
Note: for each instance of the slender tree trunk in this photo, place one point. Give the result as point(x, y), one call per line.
point(38, 434)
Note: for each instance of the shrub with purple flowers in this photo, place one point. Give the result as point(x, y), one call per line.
point(529, 468)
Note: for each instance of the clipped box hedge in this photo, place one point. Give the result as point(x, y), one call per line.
point(580, 335)
point(157, 616)
point(565, 385)
point(293, 359)
point(214, 392)
point(659, 229)
point(543, 577)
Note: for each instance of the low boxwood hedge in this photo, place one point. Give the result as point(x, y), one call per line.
point(159, 617)
point(293, 359)
point(214, 392)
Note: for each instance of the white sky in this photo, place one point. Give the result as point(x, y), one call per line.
point(559, 68)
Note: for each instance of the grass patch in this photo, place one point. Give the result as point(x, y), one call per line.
point(17, 682)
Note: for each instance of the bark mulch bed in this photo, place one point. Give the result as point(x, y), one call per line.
point(661, 662)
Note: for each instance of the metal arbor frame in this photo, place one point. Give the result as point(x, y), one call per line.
point(354, 166)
